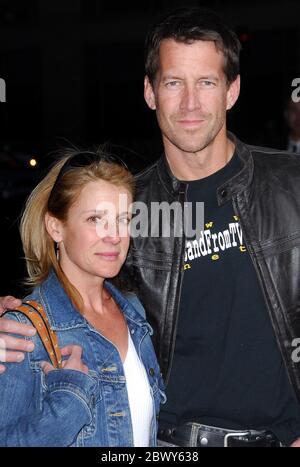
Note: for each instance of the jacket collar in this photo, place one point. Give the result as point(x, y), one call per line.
point(243, 178)
point(169, 181)
point(225, 192)
point(62, 313)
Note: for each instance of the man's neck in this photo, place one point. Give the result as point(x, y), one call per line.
point(195, 166)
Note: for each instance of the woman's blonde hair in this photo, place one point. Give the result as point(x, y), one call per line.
point(55, 194)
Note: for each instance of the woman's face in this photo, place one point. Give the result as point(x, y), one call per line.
point(94, 240)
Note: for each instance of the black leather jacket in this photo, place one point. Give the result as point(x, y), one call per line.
point(266, 197)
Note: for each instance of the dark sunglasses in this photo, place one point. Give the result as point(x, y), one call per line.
point(84, 159)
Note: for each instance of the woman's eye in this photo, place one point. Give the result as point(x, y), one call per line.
point(124, 220)
point(95, 219)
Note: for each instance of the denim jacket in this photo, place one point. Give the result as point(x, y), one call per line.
point(68, 407)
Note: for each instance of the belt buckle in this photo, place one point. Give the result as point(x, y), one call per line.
point(234, 435)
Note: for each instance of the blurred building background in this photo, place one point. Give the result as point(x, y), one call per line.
point(74, 72)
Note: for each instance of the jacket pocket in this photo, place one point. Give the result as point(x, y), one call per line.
point(158, 260)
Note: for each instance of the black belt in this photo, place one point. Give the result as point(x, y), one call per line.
point(198, 435)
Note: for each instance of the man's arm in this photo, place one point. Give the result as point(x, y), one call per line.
point(12, 348)
point(53, 417)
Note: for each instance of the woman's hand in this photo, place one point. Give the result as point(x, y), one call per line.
point(73, 363)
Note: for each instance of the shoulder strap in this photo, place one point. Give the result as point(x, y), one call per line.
point(37, 315)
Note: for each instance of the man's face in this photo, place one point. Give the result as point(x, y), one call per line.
point(190, 94)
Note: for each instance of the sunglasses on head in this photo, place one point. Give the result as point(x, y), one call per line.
point(84, 159)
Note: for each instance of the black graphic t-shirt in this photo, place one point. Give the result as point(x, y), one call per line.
point(227, 369)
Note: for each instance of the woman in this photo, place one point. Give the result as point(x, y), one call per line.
point(75, 237)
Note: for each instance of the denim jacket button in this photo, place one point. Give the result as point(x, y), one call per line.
point(132, 331)
point(151, 372)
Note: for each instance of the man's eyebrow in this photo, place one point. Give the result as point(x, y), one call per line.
point(209, 76)
point(172, 76)
point(176, 76)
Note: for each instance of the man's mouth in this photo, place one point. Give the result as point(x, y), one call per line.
point(187, 122)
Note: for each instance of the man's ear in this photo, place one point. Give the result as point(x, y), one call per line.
point(53, 227)
point(233, 92)
point(149, 94)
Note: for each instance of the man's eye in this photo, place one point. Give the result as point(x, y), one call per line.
point(207, 83)
point(172, 84)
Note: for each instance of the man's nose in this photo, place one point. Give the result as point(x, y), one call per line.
point(190, 98)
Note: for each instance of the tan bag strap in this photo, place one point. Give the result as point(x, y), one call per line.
point(37, 315)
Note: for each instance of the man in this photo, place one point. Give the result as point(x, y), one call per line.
point(286, 133)
point(292, 119)
point(224, 304)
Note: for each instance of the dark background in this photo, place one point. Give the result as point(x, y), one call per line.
point(74, 72)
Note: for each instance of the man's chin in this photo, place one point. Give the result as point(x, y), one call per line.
point(192, 148)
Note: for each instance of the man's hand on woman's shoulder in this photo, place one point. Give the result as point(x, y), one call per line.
point(12, 348)
point(8, 303)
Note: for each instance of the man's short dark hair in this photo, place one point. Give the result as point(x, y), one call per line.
point(188, 25)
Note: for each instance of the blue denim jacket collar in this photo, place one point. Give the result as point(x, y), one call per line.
point(61, 312)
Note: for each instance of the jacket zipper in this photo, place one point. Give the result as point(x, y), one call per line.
point(182, 199)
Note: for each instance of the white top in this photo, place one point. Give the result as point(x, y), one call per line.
point(139, 396)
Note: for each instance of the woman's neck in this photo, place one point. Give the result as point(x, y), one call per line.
point(91, 288)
